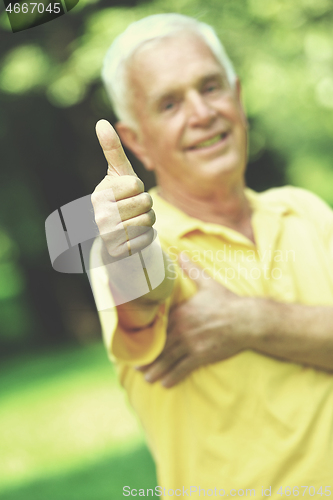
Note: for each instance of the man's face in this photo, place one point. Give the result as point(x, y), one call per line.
point(192, 124)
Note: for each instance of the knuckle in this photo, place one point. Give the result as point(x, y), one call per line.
point(152, 217)
point(100, 219)
point(147, 201)
point(198, 348)
point(148, 237)
point(116, 251)
point(135, 185)
point(139, 184)
point(96, 198)
point(149, 218)
point(102, 194)
point(106, 183)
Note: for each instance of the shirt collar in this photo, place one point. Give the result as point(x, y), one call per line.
point(176, 223)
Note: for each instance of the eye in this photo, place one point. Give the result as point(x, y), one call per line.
point(212, 87)
point(169, 105)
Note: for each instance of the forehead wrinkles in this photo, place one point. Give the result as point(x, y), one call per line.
point(153, 60)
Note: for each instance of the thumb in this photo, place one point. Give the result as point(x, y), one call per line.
point(194, 272)
point(118, 163)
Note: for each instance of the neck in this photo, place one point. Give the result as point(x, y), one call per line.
point(224, 205)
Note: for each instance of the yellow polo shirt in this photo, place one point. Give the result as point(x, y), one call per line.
point(251, 421)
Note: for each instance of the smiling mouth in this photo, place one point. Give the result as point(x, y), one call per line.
point(210, 142)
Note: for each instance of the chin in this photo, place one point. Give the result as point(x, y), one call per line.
point(218, 169)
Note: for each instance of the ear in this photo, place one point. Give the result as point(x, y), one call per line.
point(238, 92)
point(133, 141)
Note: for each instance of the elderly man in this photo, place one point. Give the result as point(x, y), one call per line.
point(240, 332)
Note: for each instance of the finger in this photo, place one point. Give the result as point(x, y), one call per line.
point(143, 221)
point(161, 368)
point(134, 206)
point(112, 220)
point(179, 372)
point(194, 272)
point(168, 345)
point(119, 236)
point(118, 188)
point(134, 245)
point(143, 368)
point(118, 163)
point(165, 362)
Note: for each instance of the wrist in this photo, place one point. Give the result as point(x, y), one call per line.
point(257, 317)
point(146, 277)
point(164, 289)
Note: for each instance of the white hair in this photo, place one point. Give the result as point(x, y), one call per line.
point(151, 28)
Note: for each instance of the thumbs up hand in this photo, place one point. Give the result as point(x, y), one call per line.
point(123, 211)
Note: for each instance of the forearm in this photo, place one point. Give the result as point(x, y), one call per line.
point(293, 332)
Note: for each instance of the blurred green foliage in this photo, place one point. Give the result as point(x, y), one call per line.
point(51, 97)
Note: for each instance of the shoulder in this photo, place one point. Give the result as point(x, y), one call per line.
point(304, 205)
point(300, 201)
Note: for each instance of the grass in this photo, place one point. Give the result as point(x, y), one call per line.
point(66, 430)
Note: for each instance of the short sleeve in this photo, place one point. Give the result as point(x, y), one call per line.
point(317, 211)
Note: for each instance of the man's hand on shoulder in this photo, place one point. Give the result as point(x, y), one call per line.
point(216, 324)
point(211, 326)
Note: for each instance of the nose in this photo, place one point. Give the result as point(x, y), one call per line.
point(200, 112)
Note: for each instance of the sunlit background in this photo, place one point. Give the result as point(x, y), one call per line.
point(66, 431)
